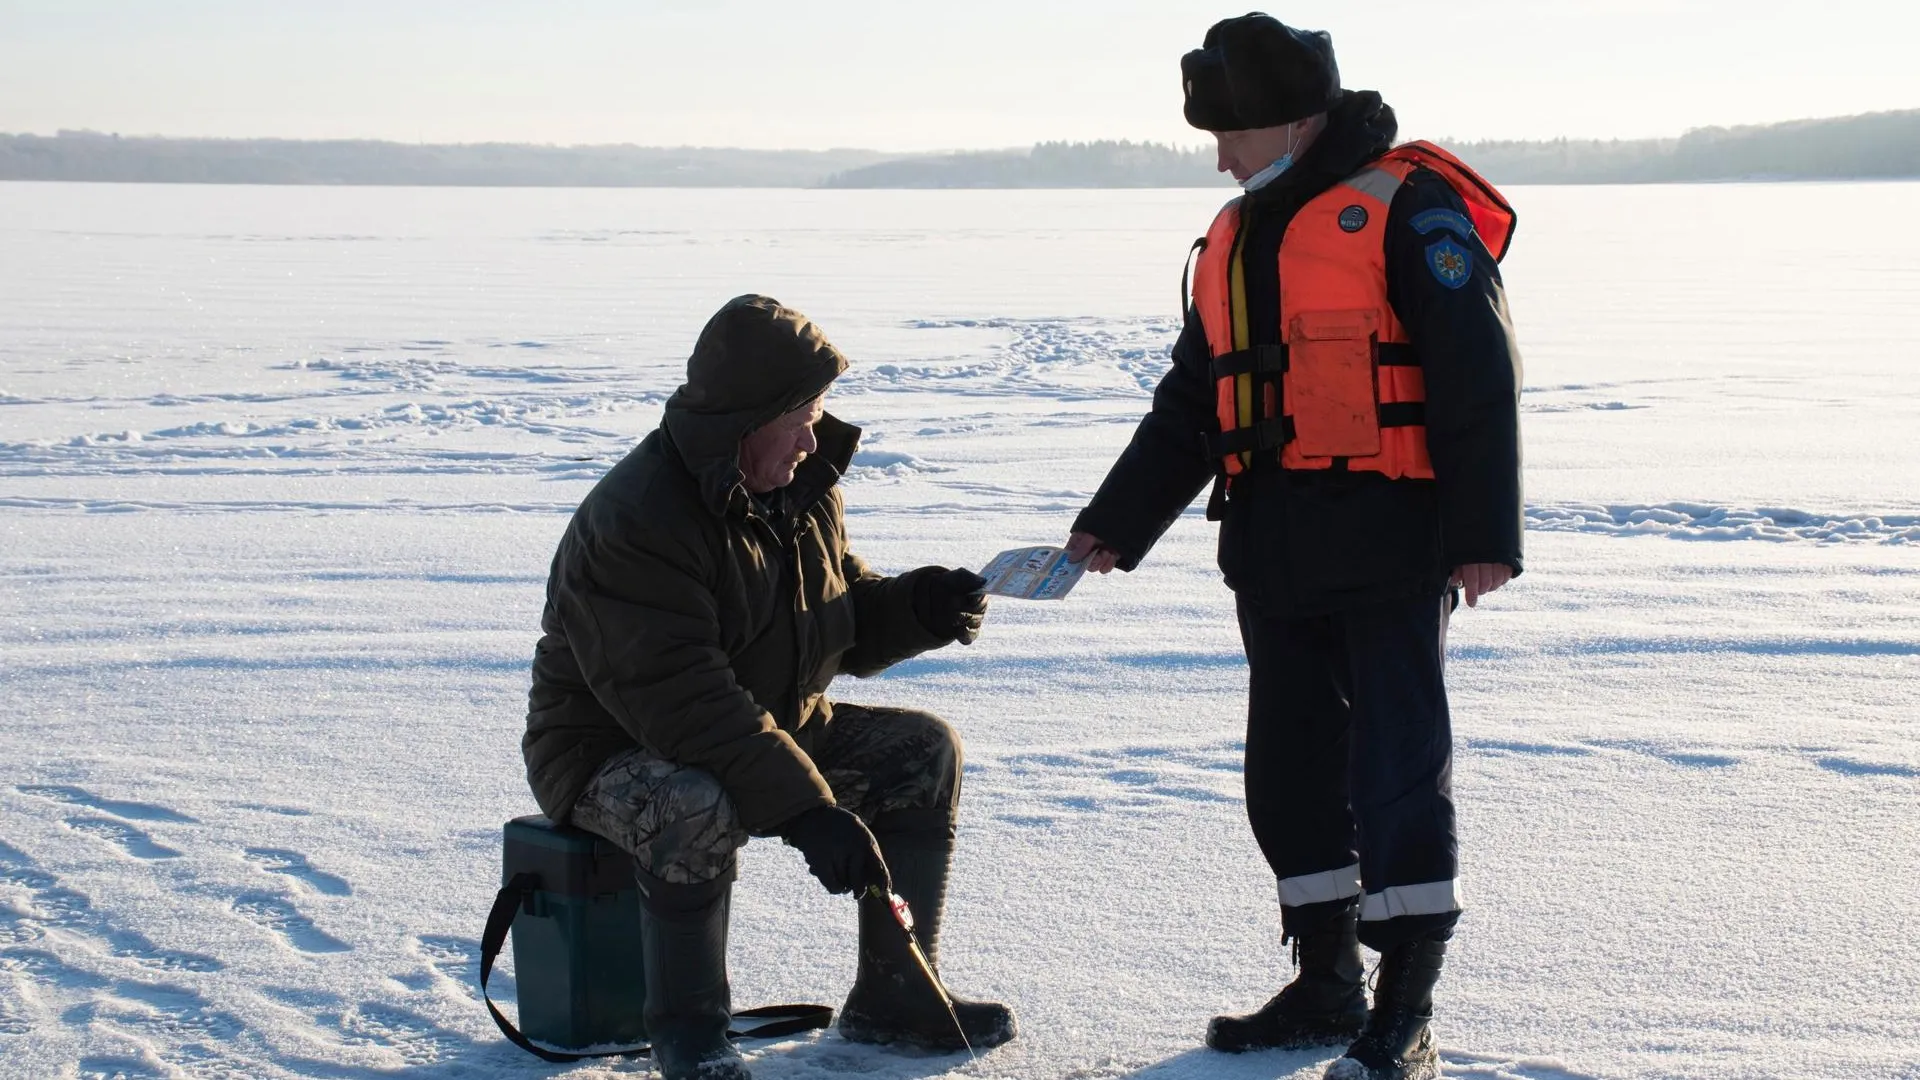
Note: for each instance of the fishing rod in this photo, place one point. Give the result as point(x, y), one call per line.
point(903, 917)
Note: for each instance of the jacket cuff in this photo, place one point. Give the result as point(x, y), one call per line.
point(1113, 534)
point(1511, 562)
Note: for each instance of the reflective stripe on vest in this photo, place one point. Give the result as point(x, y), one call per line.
point(1351, 387)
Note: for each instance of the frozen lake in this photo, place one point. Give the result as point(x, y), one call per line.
point(281, 470)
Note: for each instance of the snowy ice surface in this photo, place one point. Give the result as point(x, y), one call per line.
point(281, 470)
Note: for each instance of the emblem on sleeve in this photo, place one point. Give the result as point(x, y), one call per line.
point(1440, 217)
point(1451, 264)
point(1353, 218)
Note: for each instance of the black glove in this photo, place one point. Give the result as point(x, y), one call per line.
point(839, 849)
point(950, 603)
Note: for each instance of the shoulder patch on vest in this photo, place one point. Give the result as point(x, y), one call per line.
point(1451, 264)
point(1353, 218)
point(1440, 217)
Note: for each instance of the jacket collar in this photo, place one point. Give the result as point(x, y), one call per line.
point(1360, 127)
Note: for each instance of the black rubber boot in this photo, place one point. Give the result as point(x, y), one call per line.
point(683, 936)
point(1324, 1005)
point(894, 1000)
point(1398, 1041)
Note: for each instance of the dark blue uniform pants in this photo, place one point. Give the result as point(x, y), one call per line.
point(1349, 765)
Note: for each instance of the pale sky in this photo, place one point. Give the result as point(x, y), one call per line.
point(914, 76)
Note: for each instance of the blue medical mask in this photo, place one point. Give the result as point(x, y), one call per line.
point(1269, 174)
point(1272, 172)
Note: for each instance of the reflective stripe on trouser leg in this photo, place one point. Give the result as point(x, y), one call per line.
point(1402, 766)
point(1320, 888)
point(1296, 761)
point(1432, 898)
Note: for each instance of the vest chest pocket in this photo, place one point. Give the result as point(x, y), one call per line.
point(1330, 384)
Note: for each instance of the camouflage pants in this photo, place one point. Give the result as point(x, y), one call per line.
point(680, 827)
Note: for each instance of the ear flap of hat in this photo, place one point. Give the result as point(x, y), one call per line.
point(1209, 106)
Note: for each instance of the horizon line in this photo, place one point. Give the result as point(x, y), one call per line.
point(1197, 147)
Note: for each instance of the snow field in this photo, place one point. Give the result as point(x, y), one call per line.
point(263, 661)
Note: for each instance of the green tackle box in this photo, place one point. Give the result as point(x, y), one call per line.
point(576, 937)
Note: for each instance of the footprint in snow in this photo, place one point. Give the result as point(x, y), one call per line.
point(1847, 766)
point(42, 966)
point(50, 904)
point(171, 1015)
point(138, 947)
point(111, 1067)
point(418, 1040)
point(295, 865)
point(129, 839)
point(1686, 759)
point(303, 997)
point(17, 929)
point(15, 1018)
point(185, 1029)
point(276, 914)
point(135, 811)
point(458, 959)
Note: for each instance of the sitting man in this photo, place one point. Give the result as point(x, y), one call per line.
point(701, 601)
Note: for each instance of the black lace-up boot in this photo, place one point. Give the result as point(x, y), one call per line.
point(1398, 1041)
point(1325, 1004)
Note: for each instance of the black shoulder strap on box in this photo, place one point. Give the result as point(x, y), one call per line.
point(779, 1020)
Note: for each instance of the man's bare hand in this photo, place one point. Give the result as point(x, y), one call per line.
point(1087, 548)
point(1479, 579)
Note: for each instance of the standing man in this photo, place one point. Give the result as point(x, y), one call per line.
point(701, 601)
point(1348, 380)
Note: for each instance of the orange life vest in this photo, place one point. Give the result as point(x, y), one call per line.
point(1351, 387)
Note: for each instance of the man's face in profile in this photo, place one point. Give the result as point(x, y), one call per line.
point(770, 454)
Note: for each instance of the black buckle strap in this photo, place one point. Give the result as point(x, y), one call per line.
point(780, 1020)
point(1256, 360)
point(1263, 436)
point(1274, 359)
point(1273, 434)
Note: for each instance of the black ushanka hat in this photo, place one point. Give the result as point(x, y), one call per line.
point(1257, 72)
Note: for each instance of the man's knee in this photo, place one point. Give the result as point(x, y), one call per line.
point(945, 751)
point(942, 758)
point(697, 831)
point(894, 760)
point(676, 822)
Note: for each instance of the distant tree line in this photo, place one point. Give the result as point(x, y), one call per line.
point(1047, 165)
point(86, 155)
point(1872, 146)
